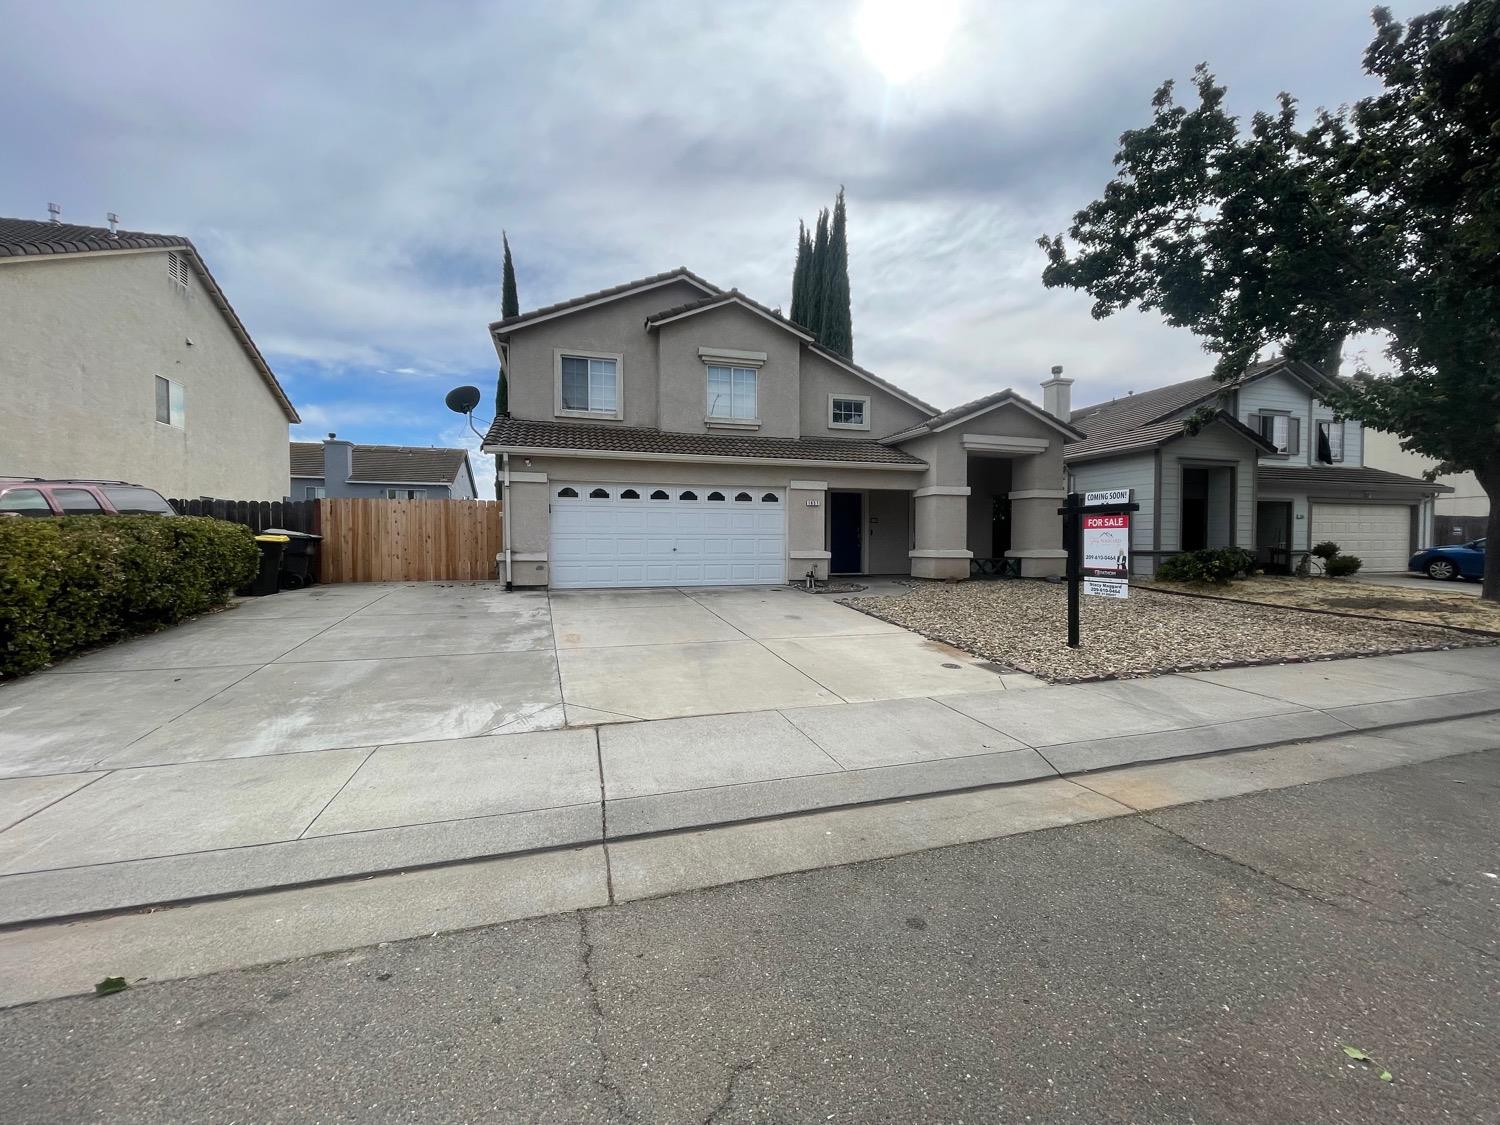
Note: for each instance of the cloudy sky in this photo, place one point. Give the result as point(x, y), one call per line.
point(347, 168)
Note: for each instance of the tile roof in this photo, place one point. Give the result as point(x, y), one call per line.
point(394, 464)
point(519, 433)
point(1149, 437)
point(681, 272)
point(31, 238)
point(1323, 480)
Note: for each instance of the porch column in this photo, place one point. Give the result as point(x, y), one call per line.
point(1035, 527)
point(942, 529)
point(530, 528)
point(806, 535)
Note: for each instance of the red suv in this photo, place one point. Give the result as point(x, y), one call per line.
point(30, 496)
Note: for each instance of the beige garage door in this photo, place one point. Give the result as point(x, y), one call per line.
point(1378, 533)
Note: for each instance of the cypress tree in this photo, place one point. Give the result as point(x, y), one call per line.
point(835, 326)
point(510, 305)
point(799, 275)
point(817, 280)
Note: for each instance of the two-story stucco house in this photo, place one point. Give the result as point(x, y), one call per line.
point(121, 359)
point(334, 467)
point(1273, 469)
point(669, 432)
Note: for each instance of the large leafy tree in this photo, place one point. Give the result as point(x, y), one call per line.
point(1384, 217)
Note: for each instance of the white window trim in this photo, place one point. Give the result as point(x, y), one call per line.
point(865, 425)
point(421, 494)
point(617, 413)
point(173, 388)
point(731, 357)
point(314, 492)
point(725, 420)
point(1343, 431)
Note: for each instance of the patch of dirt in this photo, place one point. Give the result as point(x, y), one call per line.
point(1441, 605)
point(1022, 624)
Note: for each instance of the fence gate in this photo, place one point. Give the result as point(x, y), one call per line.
point(409, 540)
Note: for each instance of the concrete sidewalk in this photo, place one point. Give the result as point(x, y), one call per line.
point(102, 841)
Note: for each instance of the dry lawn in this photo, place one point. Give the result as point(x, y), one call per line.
point(1023, 624)
point(1443, 604)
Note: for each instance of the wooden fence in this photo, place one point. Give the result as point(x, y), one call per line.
point(257, 515)
point(408, 540)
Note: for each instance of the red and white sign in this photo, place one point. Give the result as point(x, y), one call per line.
point(1106, 545)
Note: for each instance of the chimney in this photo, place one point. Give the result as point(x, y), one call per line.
point(114, 222)
point(338, 464)
point(1057, 395)
point(55, 210)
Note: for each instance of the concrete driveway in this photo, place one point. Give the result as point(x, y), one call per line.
point(336, 667)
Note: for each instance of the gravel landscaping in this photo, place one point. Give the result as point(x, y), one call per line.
point(1023, 624)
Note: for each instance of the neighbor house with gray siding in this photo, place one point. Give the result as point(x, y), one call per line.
point(122, 359)
point(1260, 462)
point(670, 432)
point(334, 467)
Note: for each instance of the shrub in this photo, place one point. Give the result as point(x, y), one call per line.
point(1215, 564)
point(68, 584)
point(1341, 566)
point(1325, 550)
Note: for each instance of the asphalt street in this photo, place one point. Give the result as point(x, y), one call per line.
point(1206, 963)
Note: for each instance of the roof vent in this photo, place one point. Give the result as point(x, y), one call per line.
point(55, 210)
point(114, 221)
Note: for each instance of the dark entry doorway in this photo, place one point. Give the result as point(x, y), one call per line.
point(1194, 509)
point(1000, 517)
point(845, 522)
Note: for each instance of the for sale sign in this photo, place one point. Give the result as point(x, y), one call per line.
point(1106, 554)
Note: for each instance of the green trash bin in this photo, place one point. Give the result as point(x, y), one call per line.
point(267, 581)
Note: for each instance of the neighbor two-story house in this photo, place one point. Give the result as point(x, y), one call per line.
point(334, 467)
point(1265, 465)
point(121, 359)
point(669, 432)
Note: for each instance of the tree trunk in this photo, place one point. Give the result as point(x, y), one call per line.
point(1489, 480)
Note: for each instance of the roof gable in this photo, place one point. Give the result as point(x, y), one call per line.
point(719, 301)
point(957, 415)
point(1155, 434)
point(508, 324)
point(30, 239)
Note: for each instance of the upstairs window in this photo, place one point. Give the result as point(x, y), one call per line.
point(848, 412)
point(1281, 430)
point(732, 393)
point(406, 494)
point(589, 385)
point(169, 403)
point(1331, 441)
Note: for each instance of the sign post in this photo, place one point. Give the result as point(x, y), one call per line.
point(1096, 535)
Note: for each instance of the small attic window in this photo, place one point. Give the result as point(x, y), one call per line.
point(178, 269)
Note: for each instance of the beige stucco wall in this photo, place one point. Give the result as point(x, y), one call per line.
point(821, 378)
point(616, 327)
point(683, 392)
point(81, 339)
point(1383, 451)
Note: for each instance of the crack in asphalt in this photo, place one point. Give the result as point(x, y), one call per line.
point(600, 1021)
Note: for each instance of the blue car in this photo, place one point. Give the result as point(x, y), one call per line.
point(1466, 560)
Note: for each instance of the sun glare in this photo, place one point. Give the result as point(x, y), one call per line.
point(905, 38)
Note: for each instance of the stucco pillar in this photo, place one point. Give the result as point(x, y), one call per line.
point(1035, 527)
point(530, 529)
point(942, 532)
point(806, 536)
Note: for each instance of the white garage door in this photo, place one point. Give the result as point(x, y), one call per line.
point(666, 535)
point(1380, 534)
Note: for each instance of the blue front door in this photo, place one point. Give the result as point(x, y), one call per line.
point(845, 516)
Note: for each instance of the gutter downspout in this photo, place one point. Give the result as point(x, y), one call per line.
point(505, 513)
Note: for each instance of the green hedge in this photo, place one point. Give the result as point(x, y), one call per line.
point(72, 583)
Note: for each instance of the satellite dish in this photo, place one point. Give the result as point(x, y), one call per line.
point(463, 400)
